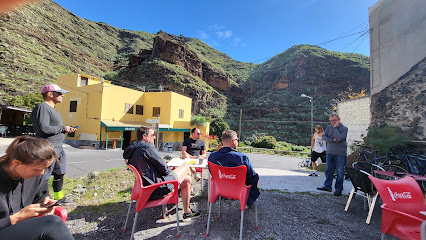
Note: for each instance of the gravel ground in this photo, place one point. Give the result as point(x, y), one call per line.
point(282, 215)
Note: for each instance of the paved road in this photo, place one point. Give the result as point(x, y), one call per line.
point(276, 172)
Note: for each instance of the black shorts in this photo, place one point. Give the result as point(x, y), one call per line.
point(165, 189)
point(315, 156)
point(59, 166)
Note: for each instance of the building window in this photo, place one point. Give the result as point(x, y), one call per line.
point(139, 109)
point(155, 111)
point(71, 134)
point(181, 113)
point(84, 81)
point(128, 108)
point(73, 106)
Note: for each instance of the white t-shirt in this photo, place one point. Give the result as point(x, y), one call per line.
point(319, 144)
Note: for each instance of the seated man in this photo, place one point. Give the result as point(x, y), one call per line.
point(228, 156)
point(153, 169)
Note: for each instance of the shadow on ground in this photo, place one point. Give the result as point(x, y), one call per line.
point(282, 215)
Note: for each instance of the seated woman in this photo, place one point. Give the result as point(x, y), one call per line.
point(24, 192)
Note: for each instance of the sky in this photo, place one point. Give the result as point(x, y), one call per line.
point(247, 31)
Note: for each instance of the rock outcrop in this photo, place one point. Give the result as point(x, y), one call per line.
point(174, 50)
point(403, 103)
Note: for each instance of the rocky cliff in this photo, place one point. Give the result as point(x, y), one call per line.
point(43, 40)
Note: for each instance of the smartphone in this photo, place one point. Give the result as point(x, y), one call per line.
point(57, 203)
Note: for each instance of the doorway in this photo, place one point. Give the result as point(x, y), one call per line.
point(127, 137)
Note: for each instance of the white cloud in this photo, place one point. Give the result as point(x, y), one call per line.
point(224, 34)
point(202, 35)
point(216, 27)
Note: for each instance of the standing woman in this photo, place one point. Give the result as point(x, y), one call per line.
point(317, 149)
point(24, 192)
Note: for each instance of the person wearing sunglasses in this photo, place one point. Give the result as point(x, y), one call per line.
point(194, 147)
point(228, 156)
point(48, 124)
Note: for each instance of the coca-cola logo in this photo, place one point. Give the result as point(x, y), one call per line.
point(399, 195)
point(227, 176)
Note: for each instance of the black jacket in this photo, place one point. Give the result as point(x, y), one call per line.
point(144, 157)
point(19, 193)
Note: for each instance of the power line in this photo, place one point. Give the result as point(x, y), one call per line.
point(353, 41)
point(365, 31)
point(360, 43)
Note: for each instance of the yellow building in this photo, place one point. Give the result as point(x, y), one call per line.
point(106, 113)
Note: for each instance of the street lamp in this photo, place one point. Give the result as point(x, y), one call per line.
point(311, 99)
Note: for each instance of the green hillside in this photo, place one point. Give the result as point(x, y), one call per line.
point(43, 40)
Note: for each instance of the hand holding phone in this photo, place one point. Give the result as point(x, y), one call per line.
point(57, 203)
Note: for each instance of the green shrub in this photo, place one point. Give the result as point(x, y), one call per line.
point(265, 142)
point(217, 127)
point(383, 138)
point(198, 120)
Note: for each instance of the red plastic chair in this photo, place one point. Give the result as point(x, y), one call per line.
point(200, 170)
point(229, 182)
point(141, 194)
point(402, 201)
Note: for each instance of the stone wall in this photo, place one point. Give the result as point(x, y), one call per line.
point(355, 114)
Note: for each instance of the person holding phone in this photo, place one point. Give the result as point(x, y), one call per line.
point(48, 124)
point(24, 194)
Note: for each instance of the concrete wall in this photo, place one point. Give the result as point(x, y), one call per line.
point(355, 114)
point(397, 40)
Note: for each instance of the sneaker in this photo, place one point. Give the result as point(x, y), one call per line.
point(189, 216)
point(313, 175)
point(324, 189)
point(337, 193)
point(196, 177)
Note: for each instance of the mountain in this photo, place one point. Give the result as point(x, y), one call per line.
point(44, 40)
point(273, 90)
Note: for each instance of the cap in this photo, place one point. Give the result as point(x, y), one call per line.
point(52, 88)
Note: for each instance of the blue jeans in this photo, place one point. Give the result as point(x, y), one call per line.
point(335, 163)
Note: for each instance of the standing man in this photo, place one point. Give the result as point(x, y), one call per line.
point(47, 123)
point(228, 156)
point(193, 147)
point(153, 169)
point(335, 136)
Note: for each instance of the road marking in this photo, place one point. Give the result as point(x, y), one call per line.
point(76, 162)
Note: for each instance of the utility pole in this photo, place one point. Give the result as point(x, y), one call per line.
point(157, 132)
point(311, 99)
point(239, 124)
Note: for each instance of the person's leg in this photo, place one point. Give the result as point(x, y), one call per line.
point(195, 174)
point(185, 182)
point(58, 182)
point(58, 172)
point(340, 167)
point(314, 157)
point(329, 173)
point(47, 227)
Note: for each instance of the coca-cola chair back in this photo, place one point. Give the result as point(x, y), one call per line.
point(403, 194)
point(228, 182)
